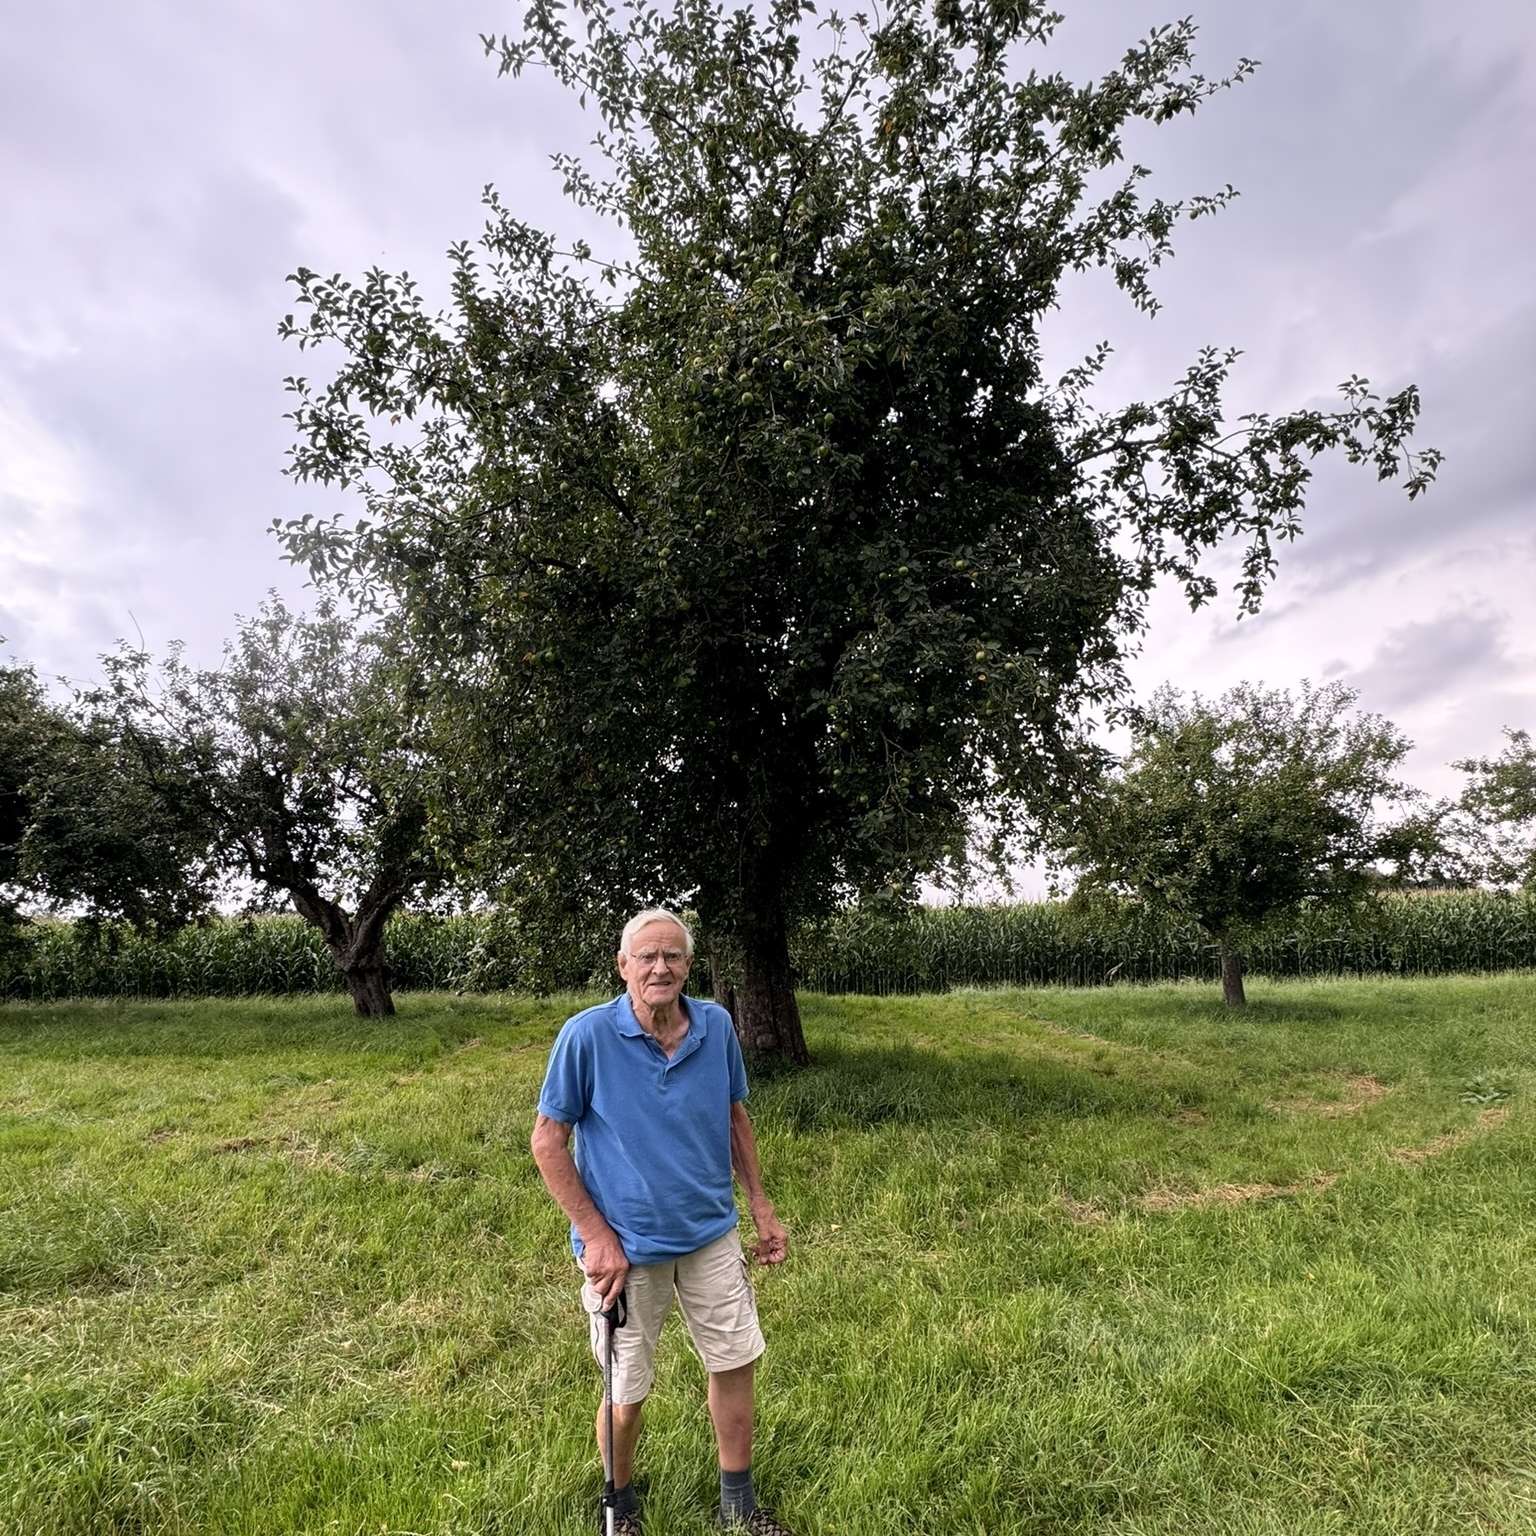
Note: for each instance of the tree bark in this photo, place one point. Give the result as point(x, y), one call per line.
point(369, 985)
point(767, 1015)
point(360, 958)
point(1232, 993)
point(356, 945)
point(725, 994)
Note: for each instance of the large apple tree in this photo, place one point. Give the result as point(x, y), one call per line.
point(754, 556)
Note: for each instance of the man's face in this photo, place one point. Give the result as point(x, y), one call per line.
point(651, 974)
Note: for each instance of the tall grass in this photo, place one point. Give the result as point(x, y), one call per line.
point(930, 950)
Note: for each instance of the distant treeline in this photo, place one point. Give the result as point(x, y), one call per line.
point(929, 950)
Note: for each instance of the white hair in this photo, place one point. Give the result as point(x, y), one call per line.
point(655, 915)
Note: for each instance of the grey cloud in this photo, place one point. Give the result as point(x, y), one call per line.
point(1479, 406)
point(43, 635)
point(17, 515)
point(176, 162)
point(37, 577)
point(1478, 409)
point(1378, 231)
point(1424, 660)
point(1289, 599)
point(1471, 725)
point(1352, 107)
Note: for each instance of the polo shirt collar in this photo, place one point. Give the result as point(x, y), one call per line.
point(628, 1024)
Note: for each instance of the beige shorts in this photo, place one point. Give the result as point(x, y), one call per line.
point(713, 1287)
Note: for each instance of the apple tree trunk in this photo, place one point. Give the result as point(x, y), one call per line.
point(1232, 993)
point(356, 943)
point(765, 1010)
point(368, 983)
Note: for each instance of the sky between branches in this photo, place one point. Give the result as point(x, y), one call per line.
point(166, 167)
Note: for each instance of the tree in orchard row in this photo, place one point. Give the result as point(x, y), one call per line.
point(1236, 811)
point(27, 724)
point(753, 559)
point(298, 757)
point(29, 728)
point(1495, 816)
point(89, 826)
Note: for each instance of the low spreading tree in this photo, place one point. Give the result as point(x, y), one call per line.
point(1496, 813)
point(302, 757)
point(757, 556)
point(1234, 812)
point(28, 727)
point(91, 825)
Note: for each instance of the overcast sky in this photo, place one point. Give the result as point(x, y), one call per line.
point(166, 165)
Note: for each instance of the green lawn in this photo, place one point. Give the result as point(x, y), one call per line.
point(1069, 1261)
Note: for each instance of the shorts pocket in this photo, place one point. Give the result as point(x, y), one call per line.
point(591, 1301)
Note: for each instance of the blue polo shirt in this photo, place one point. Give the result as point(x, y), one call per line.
point(653, 1136)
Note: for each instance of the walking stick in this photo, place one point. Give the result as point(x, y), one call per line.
point(614, 1317)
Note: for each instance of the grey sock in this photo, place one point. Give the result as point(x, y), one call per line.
point(737, 1501)
point(625, 1501)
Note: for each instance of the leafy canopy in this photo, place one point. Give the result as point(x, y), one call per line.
point(1497, 812)
point(29, 726)
point(297, 751)
point(1235, 810)
point(752, 557)
point(86, 823)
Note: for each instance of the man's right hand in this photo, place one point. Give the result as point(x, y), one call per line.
point(603, 1260)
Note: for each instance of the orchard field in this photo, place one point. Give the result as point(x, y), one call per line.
point(1110, 1261)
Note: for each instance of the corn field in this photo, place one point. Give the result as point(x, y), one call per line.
point(1059, 944)
point(930, 950)
point(230, 957)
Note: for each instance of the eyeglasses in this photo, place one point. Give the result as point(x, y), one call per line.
point(647, 958)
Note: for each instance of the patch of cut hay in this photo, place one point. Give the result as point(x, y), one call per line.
point(1084, 1212)
point(1157, 1201)
point(1359, 1092)
point(242, 1143)
point(1440, 1145)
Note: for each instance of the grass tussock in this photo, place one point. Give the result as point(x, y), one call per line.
point(1062, 1262)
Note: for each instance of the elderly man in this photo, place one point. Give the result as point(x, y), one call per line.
point(653, 1084)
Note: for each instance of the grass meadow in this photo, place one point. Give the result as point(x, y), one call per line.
point(1108, 1261)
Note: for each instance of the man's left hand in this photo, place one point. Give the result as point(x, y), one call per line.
point(772, 1240)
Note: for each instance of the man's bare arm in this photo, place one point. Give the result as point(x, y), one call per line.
point(772, 1239)
point(602, 1253)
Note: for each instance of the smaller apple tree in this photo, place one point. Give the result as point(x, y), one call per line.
point(1232, 812)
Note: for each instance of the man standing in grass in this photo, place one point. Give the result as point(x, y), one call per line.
point(653, 1083)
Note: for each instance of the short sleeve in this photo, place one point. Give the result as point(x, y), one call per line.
point(567, 1090)
point(736, 1066)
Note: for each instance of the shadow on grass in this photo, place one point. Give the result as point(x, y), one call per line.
point(1283, 1003)
point(862, 1088)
